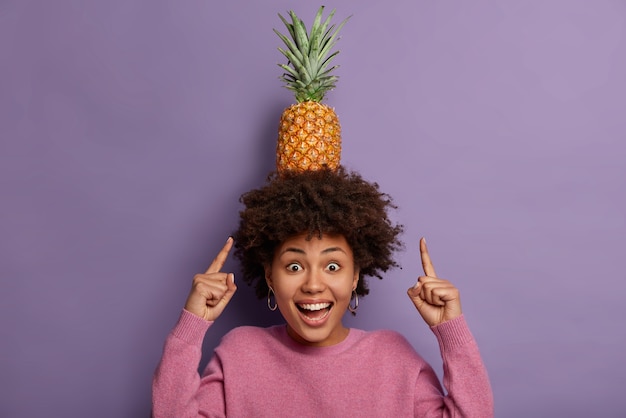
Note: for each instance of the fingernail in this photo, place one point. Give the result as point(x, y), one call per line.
point(232, 277)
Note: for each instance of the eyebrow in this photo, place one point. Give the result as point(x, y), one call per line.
point(301, 251)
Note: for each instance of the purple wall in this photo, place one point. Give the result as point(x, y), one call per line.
point(128, 129)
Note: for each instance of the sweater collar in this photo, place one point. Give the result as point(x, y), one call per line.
point(280, 332)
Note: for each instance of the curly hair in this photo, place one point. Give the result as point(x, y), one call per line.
point(316, 203)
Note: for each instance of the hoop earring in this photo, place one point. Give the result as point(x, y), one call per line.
point(269, 301)
point(351, 308)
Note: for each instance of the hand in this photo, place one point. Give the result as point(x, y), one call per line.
point(437, 300)
point(211, 291)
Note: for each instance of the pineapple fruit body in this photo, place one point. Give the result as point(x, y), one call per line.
point(309, 138)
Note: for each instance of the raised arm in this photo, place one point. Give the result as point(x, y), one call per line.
point(465, 377)
point(176, 384)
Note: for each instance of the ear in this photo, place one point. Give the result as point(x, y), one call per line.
point(355, 279)
point(268, 274)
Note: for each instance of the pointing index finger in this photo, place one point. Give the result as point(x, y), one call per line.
point(427, 264)
point(220, 259)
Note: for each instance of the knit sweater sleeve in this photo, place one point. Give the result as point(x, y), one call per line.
point(177, 388)
point(465, 377)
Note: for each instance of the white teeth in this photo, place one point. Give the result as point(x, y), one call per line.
point(314, 306)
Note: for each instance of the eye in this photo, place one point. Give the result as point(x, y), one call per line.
point(294, 267)
point(333, 267)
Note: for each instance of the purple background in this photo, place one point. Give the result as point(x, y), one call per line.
point(130, 128)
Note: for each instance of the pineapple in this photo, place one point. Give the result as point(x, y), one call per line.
point(309, 135)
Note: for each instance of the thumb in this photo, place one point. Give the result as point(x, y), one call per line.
point(217, 310)
point(232, 288)
point(414, 295)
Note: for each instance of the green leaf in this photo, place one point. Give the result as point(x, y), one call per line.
point(301, 37)
point(307, 71)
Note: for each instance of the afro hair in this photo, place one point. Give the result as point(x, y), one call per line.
point(316, 203)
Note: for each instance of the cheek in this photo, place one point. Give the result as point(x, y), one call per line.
point(284, 288)
point(345, 295)
point(343, 290)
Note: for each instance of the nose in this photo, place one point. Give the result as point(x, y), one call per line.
point(313, 282)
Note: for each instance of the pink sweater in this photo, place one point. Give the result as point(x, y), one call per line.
point(262, 372)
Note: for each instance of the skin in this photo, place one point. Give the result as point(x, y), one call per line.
point(211, 291)
point(437, 300)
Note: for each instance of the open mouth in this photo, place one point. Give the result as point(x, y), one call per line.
point(315, 311)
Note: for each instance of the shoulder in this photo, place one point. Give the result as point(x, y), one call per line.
point(247, 345)
point(244, 337)
point(390, 354)
point(385, 336)
point(246, 334)
point(388, 343)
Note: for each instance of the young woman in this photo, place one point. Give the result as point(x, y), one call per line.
point(307, 242)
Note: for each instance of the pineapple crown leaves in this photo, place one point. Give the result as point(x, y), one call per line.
point(308, 54)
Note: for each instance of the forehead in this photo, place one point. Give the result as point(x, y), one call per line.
point(315, 244)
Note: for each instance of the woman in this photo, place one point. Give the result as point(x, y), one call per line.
point(307, 241)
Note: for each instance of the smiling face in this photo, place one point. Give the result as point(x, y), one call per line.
point(313, 281)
